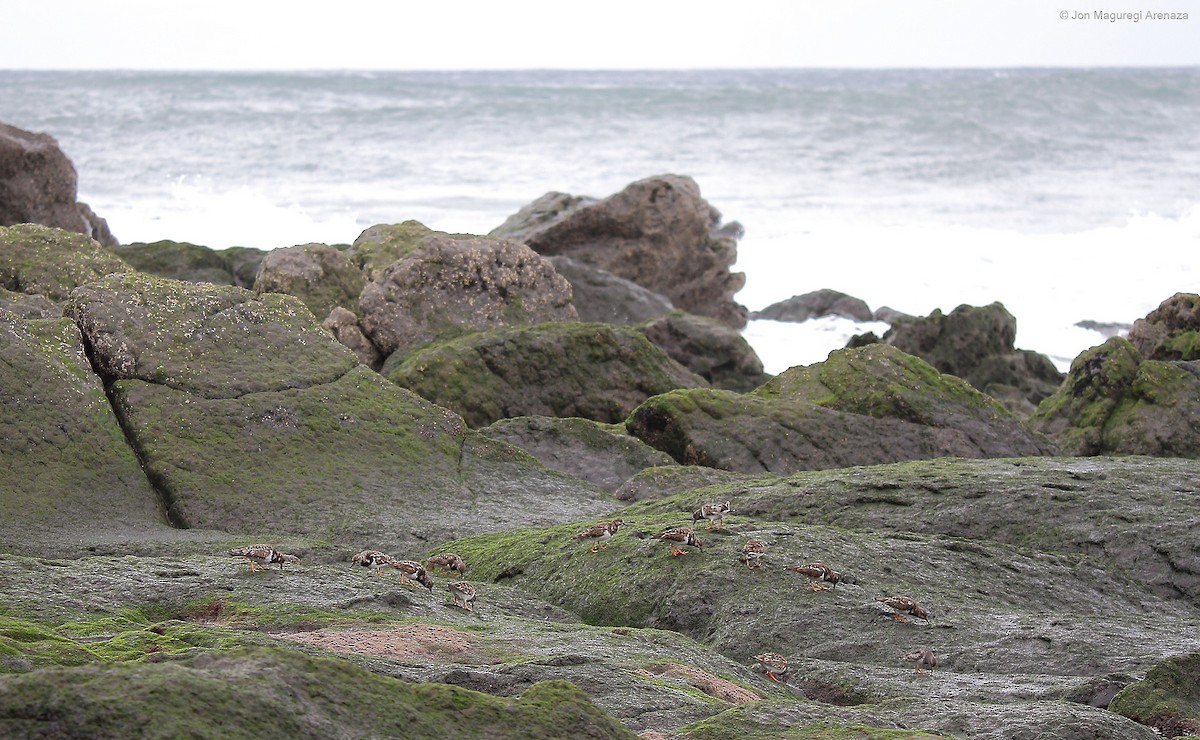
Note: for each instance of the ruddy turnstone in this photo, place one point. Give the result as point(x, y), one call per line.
point(414, 572)
point(264, 554)
point(464, 592)
point(754, 548)
point(773, 664)
point(924, 659)
point(818, 572)
point(714, 513)
point(600, 532)
point(447, 561)
point(682, 535)
point(906, 604)
point(373, 559)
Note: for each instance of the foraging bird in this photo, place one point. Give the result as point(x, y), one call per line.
point(818, 572)
point(924, 658)
point(754, 548)
point(714, 513)
point(415, 571)
point(906, 604)
point(264, 554)
point(448, 561)
point(682, 535)
point(600, 533)
point(373, 559)
point(773, 664)
point(464, 592)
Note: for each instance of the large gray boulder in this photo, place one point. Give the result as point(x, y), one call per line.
point(658, 232)
point(448, 285)
point(38, 186)
point(977, 345)
point(860, 407)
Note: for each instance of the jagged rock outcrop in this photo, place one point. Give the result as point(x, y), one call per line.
point(601, 296)
point(600, 453)
point(712, 350)
point(824, 302)
point(193, 262)
point(38, 186)
point(594, 371)
point(248, 416)
point(657, 232)
point(1116, 402)
point(1171, 331)
point(447, 285)
point(51, 262)
point(977, 345)
point(860, 407)
point(321, 276)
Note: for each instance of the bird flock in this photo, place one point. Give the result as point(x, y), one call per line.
point(412, 573)
point(821, 577)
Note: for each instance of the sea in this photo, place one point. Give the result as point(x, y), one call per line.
point(1068, 195)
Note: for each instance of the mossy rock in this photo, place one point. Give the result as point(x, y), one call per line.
point(279, 693)
point(1168, 698)
point(1115, 402)
point(178, 261)
point(249, 417)
point(28, 306)
point(52, 262)
point(601, 453)
point(714, 351)
point(383, 244)
point(565, 369)
point(863, 406)
point(210, 340)
point(321, 276)
point(66, 463)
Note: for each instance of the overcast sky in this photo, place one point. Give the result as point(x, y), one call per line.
point(575, 34)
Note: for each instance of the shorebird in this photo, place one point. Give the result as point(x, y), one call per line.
point(923, 658)
point(599, 533)
point(906, 604)
point(818, 572)
point(448, 561)
point(714, 513)
point(682, 535)
point(754, 548)
point(464, 592)
point(773, 664)
point(264, 554)
point(415, 572)
point(373, 559)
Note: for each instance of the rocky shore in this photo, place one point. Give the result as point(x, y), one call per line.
point(419, 392)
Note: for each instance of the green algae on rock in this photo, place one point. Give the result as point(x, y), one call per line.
point(1168, 698)
point(860, 407)
point(60, 443)
point(600, 453)
point(594, 371)
point(280, 693)
point(52, 262)
point(1116, 402)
